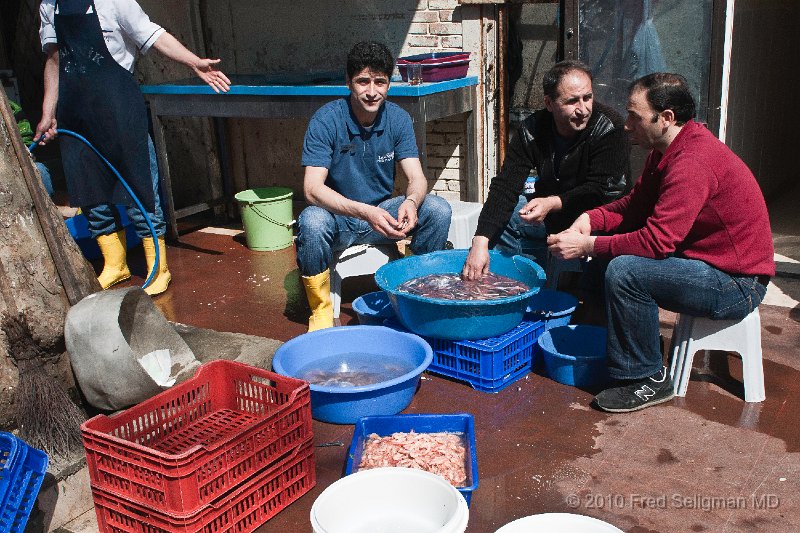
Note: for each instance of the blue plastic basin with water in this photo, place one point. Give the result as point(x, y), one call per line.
point(356, 346)
point(575, 355)
point(458, 319)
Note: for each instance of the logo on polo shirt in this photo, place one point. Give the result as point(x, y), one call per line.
point(385, 158)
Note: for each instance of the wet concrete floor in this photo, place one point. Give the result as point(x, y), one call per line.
point(706, 462)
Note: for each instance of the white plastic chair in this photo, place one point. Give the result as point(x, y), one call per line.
point(358, 260)
point(463, 223)
point(692, 334)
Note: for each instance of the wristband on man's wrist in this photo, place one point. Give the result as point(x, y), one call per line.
point(416, 206)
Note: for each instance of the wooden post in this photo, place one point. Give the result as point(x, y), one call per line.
point(42, 271)
point(77, 277)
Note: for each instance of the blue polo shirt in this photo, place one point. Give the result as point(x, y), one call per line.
point(360, 163)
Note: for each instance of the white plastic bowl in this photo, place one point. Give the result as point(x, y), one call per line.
point(390, 500)
point(558, 523)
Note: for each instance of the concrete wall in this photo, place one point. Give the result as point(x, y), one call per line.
point(191, 146)
point(283, 36)
point(308, 35)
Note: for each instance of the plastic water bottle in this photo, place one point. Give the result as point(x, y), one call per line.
point(530, 184)
point(396, 75)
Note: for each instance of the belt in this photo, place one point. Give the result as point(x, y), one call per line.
point(763, 280)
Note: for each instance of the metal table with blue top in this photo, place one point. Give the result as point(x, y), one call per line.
point(299, 96)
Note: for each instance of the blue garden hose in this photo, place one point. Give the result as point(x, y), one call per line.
point(124, 183)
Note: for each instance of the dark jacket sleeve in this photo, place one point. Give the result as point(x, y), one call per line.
point(505, 188)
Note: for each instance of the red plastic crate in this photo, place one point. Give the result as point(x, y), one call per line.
point(183, 448)
point(245, 509)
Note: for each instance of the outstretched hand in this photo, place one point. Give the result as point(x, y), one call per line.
point(207, 71)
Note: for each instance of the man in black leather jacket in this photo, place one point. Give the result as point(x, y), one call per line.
point(578, 149)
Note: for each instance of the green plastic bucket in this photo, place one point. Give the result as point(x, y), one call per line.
point(267, 217)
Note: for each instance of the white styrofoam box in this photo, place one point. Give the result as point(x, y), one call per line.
point(463, 223)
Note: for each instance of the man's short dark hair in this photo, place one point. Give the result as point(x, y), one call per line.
point(372, 55)
point(554, 76)
point(665, 90)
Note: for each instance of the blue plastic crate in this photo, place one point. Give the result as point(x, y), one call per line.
point(10, 450)
point(460, 423)
point(488, 365)
point(23, 471)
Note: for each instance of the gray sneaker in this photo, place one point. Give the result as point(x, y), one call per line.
point(637, 395)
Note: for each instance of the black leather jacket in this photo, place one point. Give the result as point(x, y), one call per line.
point(594, 170)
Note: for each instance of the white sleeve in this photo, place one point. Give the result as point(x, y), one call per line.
point(137, 25)
point(47, 29)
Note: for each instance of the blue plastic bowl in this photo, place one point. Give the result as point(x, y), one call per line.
point(345, 405)
point(458, 319)
point(575, 355)
point(554, 308)
point(373, 308)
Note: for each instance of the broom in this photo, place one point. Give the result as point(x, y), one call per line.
point(46, 416)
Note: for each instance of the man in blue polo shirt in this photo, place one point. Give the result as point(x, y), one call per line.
point(349, 155)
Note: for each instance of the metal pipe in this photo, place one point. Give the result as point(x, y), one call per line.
point(726, 72)
point(502, 81)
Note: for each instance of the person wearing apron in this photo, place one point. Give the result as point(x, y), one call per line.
point(91, 46)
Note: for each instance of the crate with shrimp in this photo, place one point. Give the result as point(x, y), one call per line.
point(440, 443)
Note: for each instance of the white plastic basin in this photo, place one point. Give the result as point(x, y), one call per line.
point(390, 500)
point(558, 523)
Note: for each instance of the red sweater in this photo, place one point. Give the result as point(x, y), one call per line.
point(698, 201)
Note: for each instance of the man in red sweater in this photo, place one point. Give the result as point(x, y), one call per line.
point(693, 237)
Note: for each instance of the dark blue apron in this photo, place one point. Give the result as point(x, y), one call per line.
point(100, 100)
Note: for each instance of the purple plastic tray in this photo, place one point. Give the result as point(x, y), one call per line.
point(436, 66)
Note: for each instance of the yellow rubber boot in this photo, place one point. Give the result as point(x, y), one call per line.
point(163, 277)
point(318, 292)
point(115, 264)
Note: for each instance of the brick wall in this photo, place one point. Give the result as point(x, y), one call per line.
point(436, 27)
point(446, 157)
point(446, 140)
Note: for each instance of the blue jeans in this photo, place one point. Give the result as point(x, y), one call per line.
point(320, 233)
point(522, 238)
point(103, 218)
point(47, 181)
point(636, 287)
